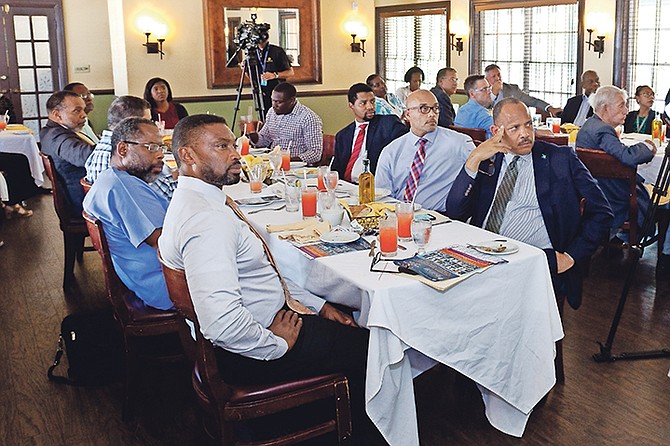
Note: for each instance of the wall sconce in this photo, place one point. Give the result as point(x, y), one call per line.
point(602, 24)
point(357, 47)
point(457, 27)
point(458, 46)
point(154, 47)
point(149, 26)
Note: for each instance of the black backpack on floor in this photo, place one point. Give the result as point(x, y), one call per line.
point(93, 344)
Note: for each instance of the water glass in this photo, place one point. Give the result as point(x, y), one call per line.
point(554, 124)
point(326, 200)
point(331, 180)
point(292, 197)
point(275, 163)
point(421, 230)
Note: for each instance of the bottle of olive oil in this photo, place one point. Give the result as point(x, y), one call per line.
point(656, 128)
point(366, 184)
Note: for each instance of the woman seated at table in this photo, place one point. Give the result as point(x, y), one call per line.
point(414, 78)
point(639, 121)
point(20, 184)
point(159, 94)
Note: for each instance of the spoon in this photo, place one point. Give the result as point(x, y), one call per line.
point(255, 211)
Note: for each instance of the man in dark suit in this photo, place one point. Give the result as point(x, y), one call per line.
point(366, 136)
point(501, 90)
point(63, 141)
point(538, 199)
point(577, 110)
point(446, 85)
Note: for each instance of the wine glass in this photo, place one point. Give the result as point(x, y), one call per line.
point(421, 230)
point(275, 162)
point(331, 180)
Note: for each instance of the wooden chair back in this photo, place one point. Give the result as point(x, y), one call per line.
point(477, 135)
point(328, 150)
point(61, 201)
point(238, 403)
point(85, 184)
point(603, 165)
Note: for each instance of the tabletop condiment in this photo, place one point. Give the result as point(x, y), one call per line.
point(366, 184)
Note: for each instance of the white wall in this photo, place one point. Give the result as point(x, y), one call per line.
point(88, 42)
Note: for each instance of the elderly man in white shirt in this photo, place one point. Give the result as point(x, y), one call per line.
point(237, 291)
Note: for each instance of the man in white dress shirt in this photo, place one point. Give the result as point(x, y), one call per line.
point(422, 164)
point(237, 292)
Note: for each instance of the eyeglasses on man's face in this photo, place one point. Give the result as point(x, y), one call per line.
point(151, 147)
point(487, 88)
point(87, 96)
point(425, 109)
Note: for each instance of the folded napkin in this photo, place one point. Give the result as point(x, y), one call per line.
point(297, 226)
point(308, 234)
point(20, 127)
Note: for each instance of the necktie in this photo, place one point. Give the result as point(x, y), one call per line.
point(415, 170)
point(358, 144)
point(502, 196)
point(292, 303)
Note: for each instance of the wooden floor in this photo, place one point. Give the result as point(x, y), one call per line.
point(622, 403)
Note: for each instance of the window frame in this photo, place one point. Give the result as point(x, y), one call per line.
point(413, 9)
point(477, 6)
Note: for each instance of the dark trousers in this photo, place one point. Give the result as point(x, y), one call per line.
point(20, 182)
point(323, 347)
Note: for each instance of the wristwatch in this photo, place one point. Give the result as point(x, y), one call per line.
point(276, 75)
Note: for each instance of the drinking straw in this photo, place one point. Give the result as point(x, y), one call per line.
point(330, 165)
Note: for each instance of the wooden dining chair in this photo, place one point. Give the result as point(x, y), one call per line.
point(72, 225)
point(86, 185)
point(149, 334)
point(229, 404)
point(328, 150)
point(560, 139)
point(478, 135)
point(604, 165)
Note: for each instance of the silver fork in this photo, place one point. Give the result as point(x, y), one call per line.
point(255, 211)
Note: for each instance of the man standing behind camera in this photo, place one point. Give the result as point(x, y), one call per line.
point(274, 66)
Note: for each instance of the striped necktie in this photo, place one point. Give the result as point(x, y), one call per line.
point(358, 144)
point(503, 196)
point(292, 303)
point(415, 170)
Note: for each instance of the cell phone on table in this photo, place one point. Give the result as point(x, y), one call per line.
point(424, 217)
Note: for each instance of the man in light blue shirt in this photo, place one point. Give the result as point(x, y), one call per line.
point(131, 212)
point(475, 113)
point(445, 154)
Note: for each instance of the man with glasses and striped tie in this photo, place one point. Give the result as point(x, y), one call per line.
point(421, 165)
point(532, 191)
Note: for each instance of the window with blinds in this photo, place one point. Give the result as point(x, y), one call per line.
point(413, 35)
point(645, 59)
point(536, 48)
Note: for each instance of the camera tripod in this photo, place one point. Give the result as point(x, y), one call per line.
point(660, 189)
point(251, 69)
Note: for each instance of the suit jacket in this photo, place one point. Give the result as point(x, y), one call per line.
point(571, 109)
point(69, 153)
point(597, 135)
point(513, 91)
point(561, 181)
point(382, 129)
point(447, 113)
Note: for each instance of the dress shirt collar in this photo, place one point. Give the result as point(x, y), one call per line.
point(197, 185)
point(430, 137)
point(523, 159)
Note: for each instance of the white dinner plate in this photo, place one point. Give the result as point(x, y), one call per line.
point(297, 164)
point(379, 192)
point(258, 150)
point(19, 132)
point(338, 237)
point(496, 247)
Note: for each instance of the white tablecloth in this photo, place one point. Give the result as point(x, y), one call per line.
point(497, 328)
point(24, 143)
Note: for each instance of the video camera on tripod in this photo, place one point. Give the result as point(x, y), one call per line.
point(248, 38)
